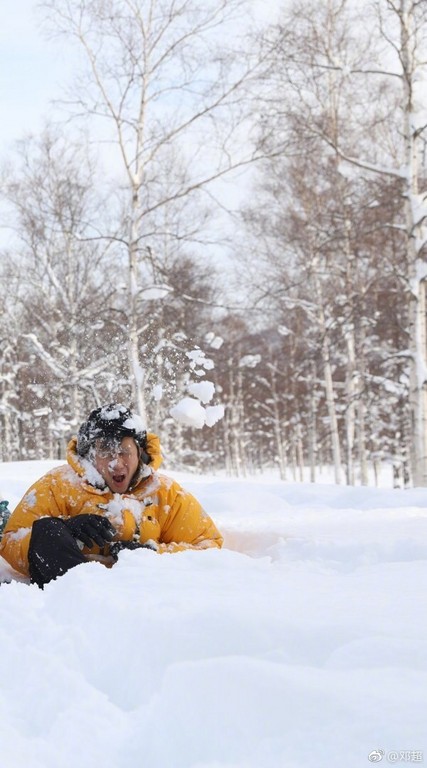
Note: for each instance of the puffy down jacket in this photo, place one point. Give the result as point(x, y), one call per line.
point(156, 509)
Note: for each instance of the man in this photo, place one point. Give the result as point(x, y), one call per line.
point(108, 497)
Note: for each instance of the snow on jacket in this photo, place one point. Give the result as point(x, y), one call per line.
point(156, 509)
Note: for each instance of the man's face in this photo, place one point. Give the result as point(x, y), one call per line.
point(117, 462)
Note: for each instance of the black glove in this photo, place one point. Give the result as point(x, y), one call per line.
point(119, 545)
point(91, 529)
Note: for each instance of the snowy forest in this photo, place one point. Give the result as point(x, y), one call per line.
point(229, 209)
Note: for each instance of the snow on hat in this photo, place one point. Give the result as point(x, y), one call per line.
point(108, 422)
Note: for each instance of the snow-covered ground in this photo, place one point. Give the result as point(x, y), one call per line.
point(302, 644)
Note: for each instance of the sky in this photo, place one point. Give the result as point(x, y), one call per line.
point(33, 73)
point(302, 643)
point(32, 68)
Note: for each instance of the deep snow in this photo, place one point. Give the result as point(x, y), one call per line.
point(301, 644)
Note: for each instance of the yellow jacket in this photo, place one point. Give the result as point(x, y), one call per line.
point(157, 509)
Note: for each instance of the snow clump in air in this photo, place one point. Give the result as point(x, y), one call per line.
point(213, 414)
point(189, 412)
point(203, 390)
point(249, 361)
point(135, 422)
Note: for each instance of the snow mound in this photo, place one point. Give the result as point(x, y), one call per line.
point(302, 644)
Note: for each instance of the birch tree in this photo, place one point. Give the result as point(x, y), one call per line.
point(64, 294)
point(410, 17)
point(159, 81)
point(360, 96)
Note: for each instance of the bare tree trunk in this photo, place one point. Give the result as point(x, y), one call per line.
point(227, 443)
point(350, 415)
point(312, 444)
point(294, 460)
point(300, 452)
point(329, 385)
point(330, 402)
point(137, 376)
point(415, 232)
point(240, 424)
point(7, 441)
point(235, 424)
point(361, 416)
point(277, 424)
point(281, 455)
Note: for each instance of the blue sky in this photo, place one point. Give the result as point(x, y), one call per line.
point(31, 71)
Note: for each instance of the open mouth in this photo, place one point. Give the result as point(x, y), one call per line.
point(118, 479)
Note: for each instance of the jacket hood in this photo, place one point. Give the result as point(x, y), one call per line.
point(73, 459)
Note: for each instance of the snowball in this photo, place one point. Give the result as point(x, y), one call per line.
point(213, 413)
point(189, 412)
point(249, 361)
point(203, 390)
point(214, 341)
point(135, 422)
point(198, 357)
point(196, 354)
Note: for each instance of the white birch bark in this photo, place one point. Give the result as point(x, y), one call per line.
point(235, 420)
point(277, 424)
point(328, 382)
point(330, 402)
point(312, 445)
point(350, 415)
point(415, 233)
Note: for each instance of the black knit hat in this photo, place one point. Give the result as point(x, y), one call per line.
point(109, 422)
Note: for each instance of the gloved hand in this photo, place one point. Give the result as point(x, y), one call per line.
point(91, 529)
point(118, 546)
